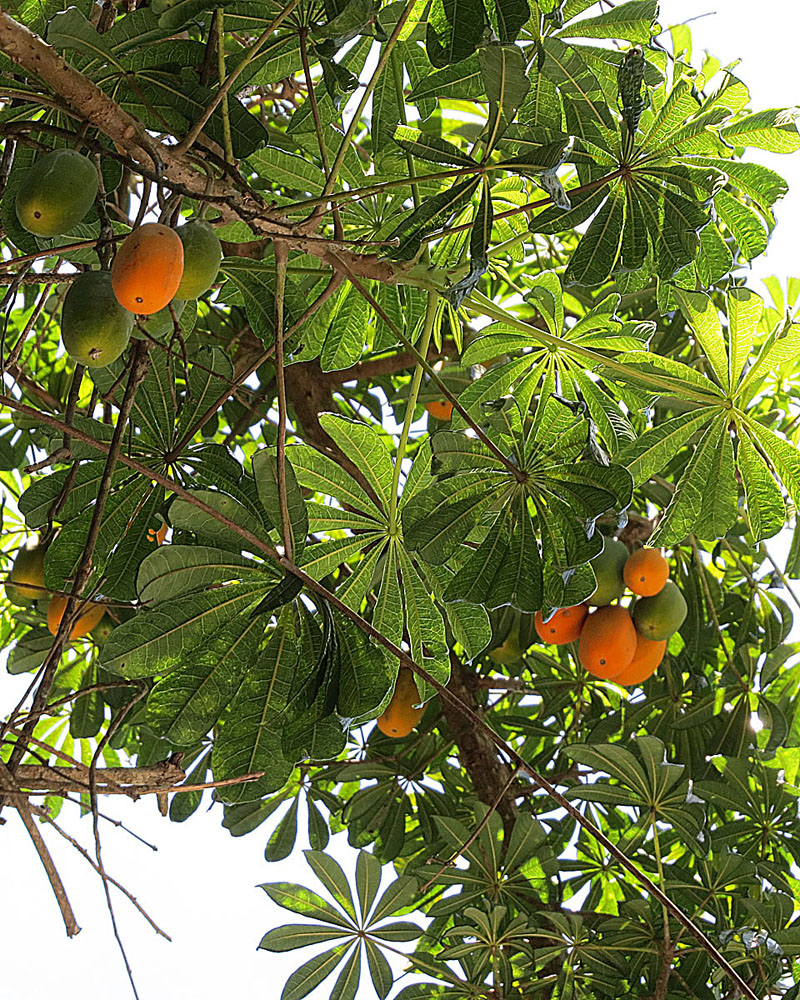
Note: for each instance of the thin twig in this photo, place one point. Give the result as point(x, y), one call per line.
point(281, 258)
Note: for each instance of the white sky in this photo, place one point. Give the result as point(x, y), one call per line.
point(200, 885)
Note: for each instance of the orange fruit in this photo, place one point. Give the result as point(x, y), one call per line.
point(400, 716)
point(645, 572)
point(442, 409)
point(148, 268)
point(87, 621)
point(157, 536)
point(608, 641)
point(646, 658)
point(563, 627)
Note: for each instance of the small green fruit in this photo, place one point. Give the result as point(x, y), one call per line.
point(660, 616)
point(202, 254)
point(28, 568)
point(608, 572)
point(95, 328)
point(56, 193)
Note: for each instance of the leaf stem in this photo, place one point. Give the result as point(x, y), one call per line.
point(226, 117)
point(424, 344)
point(281, 256)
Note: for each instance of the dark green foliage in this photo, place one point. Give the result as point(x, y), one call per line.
point(548, 231)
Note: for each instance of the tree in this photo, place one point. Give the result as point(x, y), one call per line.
point(491, 212)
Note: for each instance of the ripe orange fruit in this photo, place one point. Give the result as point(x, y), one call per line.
point(157, 536)
point(645, 572)
point(86, 622)
point(646, 658)
point(608, 641)
point(148, 268)
point(442, 409)
point(400, 716)
point(564, 626)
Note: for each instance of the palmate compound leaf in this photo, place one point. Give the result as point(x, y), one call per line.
point(341, 923)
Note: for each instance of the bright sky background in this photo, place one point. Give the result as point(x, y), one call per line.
point(200, 886)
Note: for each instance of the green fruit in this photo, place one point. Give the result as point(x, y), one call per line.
point(28, 568)
point(160, 324)
point(202, 254)
point(608, 573)
point(660, 616)
point(56, 193)
point(510, 651)
point(95, 328)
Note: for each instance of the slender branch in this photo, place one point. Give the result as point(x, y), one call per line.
point(24, 810)
point(43, 814)
point(222, 93)
point(281, 257)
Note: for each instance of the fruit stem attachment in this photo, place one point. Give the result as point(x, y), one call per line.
point(424, 344)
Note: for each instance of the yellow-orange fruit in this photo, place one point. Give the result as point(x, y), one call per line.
point(608, 641)
point(646, 658)
point(646, 572)
point(442, 409)
point(86, 622)
point(563, 627)
point(148, 268)
point(157, 536)
point(400, 716)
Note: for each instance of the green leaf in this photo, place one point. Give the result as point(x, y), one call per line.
point(88, 712)
point(361, 443)
point(507, 18)
point(504, 75)
point(766, 510)
point(399, 895)
point(281, 844)
point(186, 704)
point(783, 455)
point(71, 30)
point(379, 969)
point(288, 170)
point(650, 452)
point(368, 879)
point(185, 516)
point(311, 973)
point(332, 876)
point(463, 80)
point(774, 130)
point(251, 739)
point(172, 570)
point(320, 473)
point(744, 313)
point(156, 641)
point(596, 255)
point(291, 936)
point(455, 28)
point(430, 147)
point(694, 507)
point(702, 314)
point(346, 985)
point(265, 473)
point(743, 223)
point(432, 212)
point(632, 21)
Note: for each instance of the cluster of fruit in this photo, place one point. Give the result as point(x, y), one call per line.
point(25, 586)
point(155, 267)
point(617, 643)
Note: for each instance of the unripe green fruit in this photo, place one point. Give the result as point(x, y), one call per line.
point(161, 324)
point(28, 568)
point(95, 328)
point(202, 254)
point(56, 193)
point(660, 616)
point(608, 573)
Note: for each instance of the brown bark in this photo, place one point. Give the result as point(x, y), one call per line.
point(477, 753)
